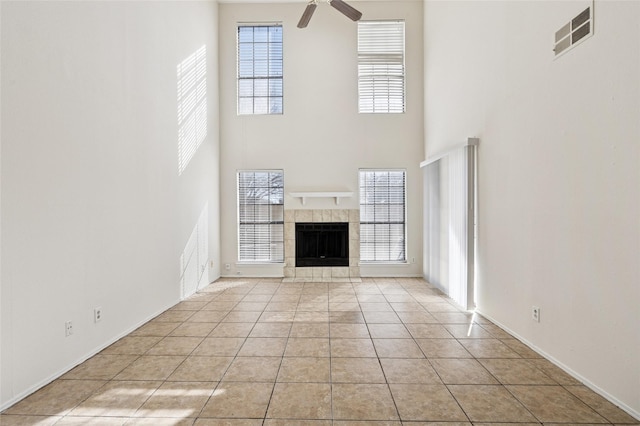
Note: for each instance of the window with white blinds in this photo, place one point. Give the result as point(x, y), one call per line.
point(261, 216)
point(382, 215)
point(260, 69)
point(381, 67)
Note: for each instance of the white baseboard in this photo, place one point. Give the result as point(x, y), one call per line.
point(79, 361)
point(635, 414)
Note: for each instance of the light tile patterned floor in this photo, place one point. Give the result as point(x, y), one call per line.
point(266, 352)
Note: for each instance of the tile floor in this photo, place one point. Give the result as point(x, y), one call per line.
point(265, 352)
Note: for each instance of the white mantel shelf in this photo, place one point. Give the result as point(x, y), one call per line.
point(321, 194)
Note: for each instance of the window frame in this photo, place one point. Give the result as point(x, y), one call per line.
point(268, 78)
point(270, 223)
point(403, 248)
point(374, 84)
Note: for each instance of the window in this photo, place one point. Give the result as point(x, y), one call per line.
point(381, 66)
point(261, 216)
point(260, 69)
point(382, 216)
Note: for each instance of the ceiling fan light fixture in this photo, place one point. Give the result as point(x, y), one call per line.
point(346, 10)
point(307, 14)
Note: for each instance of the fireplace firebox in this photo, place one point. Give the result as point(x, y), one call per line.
point(322, 244)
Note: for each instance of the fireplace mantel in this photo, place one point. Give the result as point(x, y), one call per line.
point(321, 194)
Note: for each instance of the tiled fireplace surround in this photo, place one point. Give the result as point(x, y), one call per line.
point(328, 274)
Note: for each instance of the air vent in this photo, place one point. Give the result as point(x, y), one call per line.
point(575, 31)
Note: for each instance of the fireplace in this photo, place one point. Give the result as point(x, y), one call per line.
point(322, 244)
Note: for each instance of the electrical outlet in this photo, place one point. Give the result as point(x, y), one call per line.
point(68, 328)
point(535, 313)
point(97, 314)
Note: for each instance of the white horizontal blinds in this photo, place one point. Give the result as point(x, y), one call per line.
point(381, 66)
point(261, 216)
point(382, 215)
point(260, 69)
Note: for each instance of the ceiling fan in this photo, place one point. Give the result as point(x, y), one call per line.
point(339, 5)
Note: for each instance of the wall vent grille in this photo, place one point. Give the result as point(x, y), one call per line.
point(574, 32)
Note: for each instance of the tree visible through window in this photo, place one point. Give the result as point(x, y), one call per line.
point(260, 69)
point(261, 216)
point(382, 216)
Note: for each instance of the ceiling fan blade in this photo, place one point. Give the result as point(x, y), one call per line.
point(307, 14)
point(346, 10)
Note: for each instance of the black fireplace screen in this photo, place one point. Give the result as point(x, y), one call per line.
point(322, 244)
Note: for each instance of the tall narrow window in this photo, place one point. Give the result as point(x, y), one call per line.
point(382, 216)
point(260, 69)
point(381, 66)
point(261, 216)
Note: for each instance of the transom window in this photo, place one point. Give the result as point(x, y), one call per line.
point(261, 216)
point(260, 69)
point(381, 67)
point(382, 215)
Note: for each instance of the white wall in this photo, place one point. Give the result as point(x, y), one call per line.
point(559, 168)
point(94, 212)
point(321, 141)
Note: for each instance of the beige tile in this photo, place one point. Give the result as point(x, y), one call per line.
point(250, 306)
point(357, 348)
point(349, 330)
point(601, 405)
point(263, 346)
point(413, 404)
point(93, 421)
point(157, 421)
point(117, 398)
point(101, 367)
point(18, 420)
point(416, 317)
point(219, 305)
point(232, 329)
point(190, 305)
point(132, 345)
point(356, 370)
point(219, 346)
point(371, 298)
point(277, 316)
point(173, 316)
point(428, 331)
point(150, 367)
point(367, 423)
point(177, 399)
point(471, 331)
point(207, 316)
point(307, 347)
point(57, 398)
point(228, 422)
point(488, 348)
point(309, 316)
point(520, 348)
point(349, 317)
point(554, 372)
point(301, 401)
point(388, 331)
point(309, 330)
point(554, 404)
point(442, 348)
point(372, 317)
point(290, 306)
point(409, 371)
point(452, 317)
point(404, 306)
point(376, 307)
point(363, 402)
point(253, 369)
point(257, 298)
point(194, 329)
point(516, 372)
point(397, 348)
point(243, 400)
point(269, 329)
point(201, 369)
point(458, 371)
point(495, 331)
point(285, 422)
point(490, 404)
point(154, 328)
point(242, 316)
point(175, 346)
point(305, 369)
